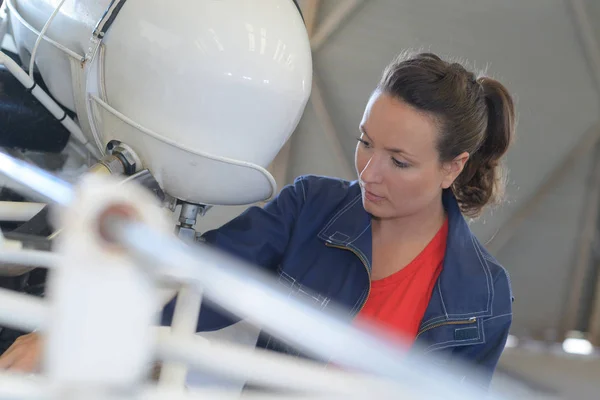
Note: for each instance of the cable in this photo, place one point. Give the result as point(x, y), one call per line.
point(41, 36)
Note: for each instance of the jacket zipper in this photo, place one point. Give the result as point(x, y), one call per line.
point(464, 322)
point(364, 263)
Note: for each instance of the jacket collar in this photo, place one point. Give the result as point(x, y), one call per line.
point(464, 288)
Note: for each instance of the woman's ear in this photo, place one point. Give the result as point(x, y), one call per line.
point(453, 168)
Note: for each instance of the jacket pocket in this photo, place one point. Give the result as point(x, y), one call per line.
point(300, 292)
point(447, 334)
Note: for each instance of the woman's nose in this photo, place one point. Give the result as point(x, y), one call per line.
point(371, 173)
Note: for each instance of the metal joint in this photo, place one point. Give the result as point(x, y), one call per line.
point(124, 154)
point(188, 215)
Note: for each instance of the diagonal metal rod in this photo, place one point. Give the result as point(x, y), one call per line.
point(36, 182)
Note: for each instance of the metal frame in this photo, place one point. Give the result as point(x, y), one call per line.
point(588, 233)
point(318, 35)
point(510, 227)
point(280, 166)
point(331, 134)
point(332, 23)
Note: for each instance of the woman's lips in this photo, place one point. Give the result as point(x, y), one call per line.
point(372, 197)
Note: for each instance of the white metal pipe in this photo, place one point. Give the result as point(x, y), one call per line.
point(152, 393)
point(18, 262)
point(22, 311)
point(35, 181)
point(47, 102)
point(23, 387)
point(29, 258)
point(269, 369)
point(185, 321)
point(103, 303)
point(17, 211)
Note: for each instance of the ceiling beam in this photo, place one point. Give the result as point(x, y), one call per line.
point(510, 227)
point(329, 131)
point(591, 47)
point(585, 240)
point(594, 319)
point(587, 36)
point(280, 167)
point(333, 21)
point(310, 10)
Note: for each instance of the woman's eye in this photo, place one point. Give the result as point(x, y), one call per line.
point(400, 164)
point(364, 142)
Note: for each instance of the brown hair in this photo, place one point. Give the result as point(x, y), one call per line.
point(476, 115)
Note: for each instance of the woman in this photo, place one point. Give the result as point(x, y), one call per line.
point(393, 246)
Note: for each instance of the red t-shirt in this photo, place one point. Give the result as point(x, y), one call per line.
point(398, 302)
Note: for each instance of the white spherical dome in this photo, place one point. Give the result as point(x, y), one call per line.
point(205, 92)
point(212, 90)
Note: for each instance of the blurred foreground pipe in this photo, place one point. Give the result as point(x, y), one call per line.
point(16, 211)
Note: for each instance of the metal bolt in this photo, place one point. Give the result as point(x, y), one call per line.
point(127, 157)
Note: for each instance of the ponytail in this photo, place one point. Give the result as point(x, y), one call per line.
point(482, 181)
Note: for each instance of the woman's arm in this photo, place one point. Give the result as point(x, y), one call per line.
point(258, 236)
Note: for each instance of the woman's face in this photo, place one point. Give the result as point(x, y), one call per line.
point(397, 160)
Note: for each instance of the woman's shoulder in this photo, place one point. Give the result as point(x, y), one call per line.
point(326, 182)
point(327, 189)
point(498, 273)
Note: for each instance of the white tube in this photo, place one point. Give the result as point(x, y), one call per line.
point(3, 23)
point(35, 181)
point(47, 102)
point(73, 127)
point(185, 321)
point(271, 369)
point(267, 175)
point(41, 35)
point(20, 387)
point(154, 393)
point(13, 11)
point(71, 144)
point(29, 258)
point(22, 311)
point(16, 211)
